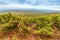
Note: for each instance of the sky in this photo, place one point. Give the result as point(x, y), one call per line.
point(30, 4)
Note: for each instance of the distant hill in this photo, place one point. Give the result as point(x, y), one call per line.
point(30, 10)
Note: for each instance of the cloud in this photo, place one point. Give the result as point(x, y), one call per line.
point(25, 6)
point(30, 4)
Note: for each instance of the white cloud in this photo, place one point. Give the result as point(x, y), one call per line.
point(26, 6)
point(13, 4)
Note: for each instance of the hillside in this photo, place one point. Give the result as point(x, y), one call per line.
point(29, 26)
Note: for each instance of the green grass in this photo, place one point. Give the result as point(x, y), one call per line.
point(26, 24)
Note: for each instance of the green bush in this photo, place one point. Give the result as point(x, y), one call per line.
point(41, 25)
point(46, 31)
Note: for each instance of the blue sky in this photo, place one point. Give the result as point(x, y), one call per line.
point(30, 4)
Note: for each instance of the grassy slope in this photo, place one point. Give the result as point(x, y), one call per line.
point(32, 36)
